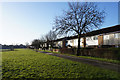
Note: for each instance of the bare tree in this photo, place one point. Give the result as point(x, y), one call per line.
point(50, 37)
point(79, 19)
point(42, 42)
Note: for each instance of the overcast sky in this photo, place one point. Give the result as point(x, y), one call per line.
point(24, 21)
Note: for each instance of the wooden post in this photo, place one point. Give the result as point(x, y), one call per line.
point(100, 40)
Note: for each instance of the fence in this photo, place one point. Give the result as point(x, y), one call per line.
point(109, 53)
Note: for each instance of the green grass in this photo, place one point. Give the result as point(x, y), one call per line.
point(25, 63)
point(88, 57)
point(2, 50)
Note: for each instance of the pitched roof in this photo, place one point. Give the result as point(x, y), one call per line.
point(95, 32)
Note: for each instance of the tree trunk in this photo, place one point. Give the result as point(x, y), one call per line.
point(84, 42)
point(78, 49)
point(47, 45)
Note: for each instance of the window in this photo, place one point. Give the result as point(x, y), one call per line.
point(106, 36)
point(88, 38)
point(66, 43)
point(95, 38)
point(116, 35)
point(74, 41)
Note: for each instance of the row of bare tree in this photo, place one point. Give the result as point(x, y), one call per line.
point(45, 41)
point(79, 19)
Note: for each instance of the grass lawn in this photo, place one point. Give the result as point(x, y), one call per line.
point(25, 63)
point(2, 50)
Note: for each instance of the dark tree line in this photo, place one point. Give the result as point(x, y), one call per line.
point(12, 46)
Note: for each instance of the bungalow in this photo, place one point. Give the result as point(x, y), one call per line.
point(106, 36)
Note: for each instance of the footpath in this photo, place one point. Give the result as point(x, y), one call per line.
point(105, 65)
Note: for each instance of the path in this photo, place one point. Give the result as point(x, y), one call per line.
point(105, 65)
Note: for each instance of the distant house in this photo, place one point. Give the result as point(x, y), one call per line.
point(106, 36)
